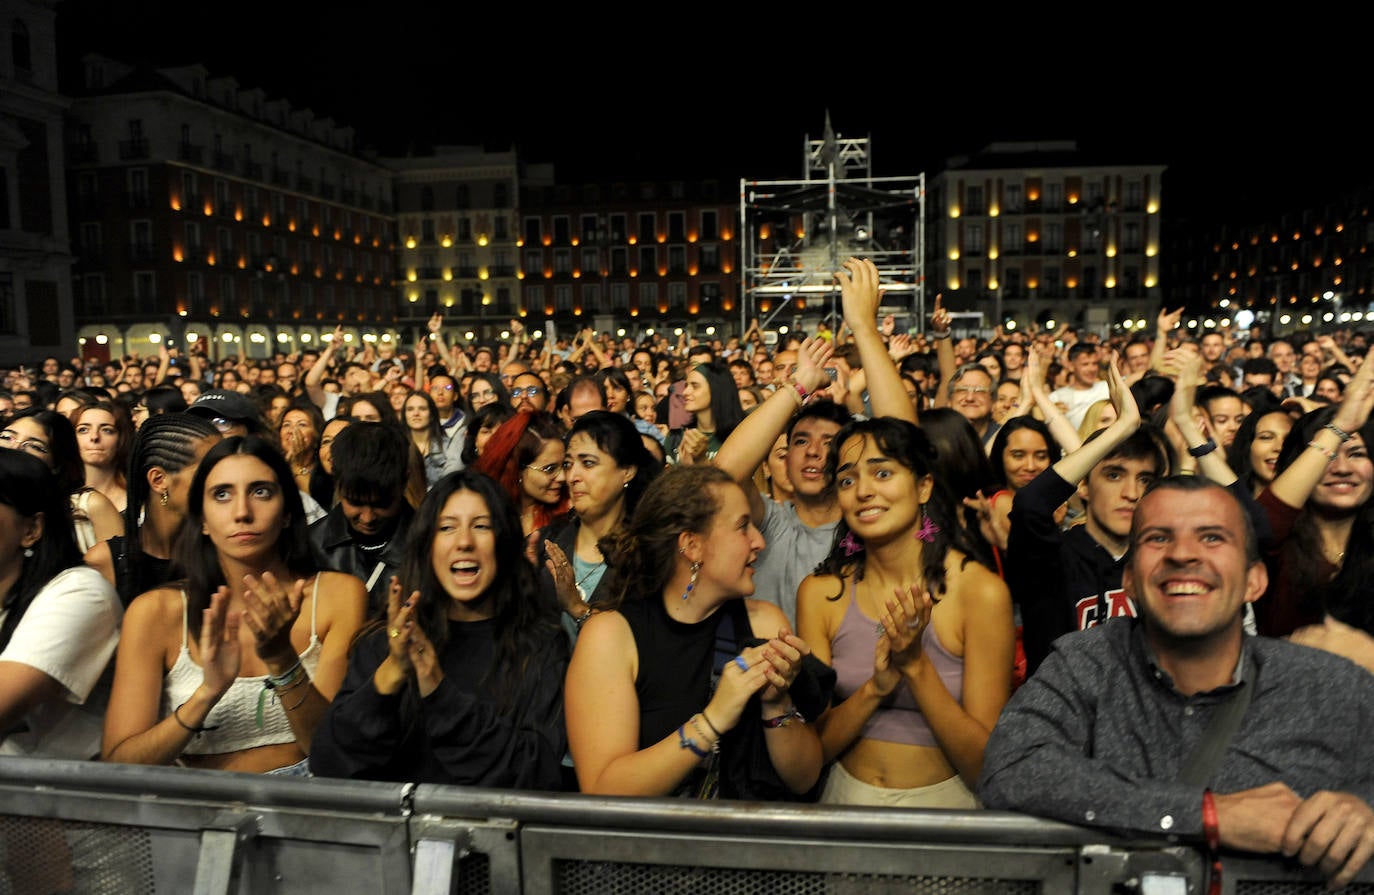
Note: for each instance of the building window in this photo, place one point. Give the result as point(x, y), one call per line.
point(1054, 197)
point(427, 230)
point(1012, 245)
point(677, 226)
point(1015, 197)
point(974, 200)
point(1135, 192)
point(91, 242)
point(590, 264)
point(1092, 194)
point(427, 198)
point(20, 50)
point(1052, 283)
point(93, 293)
point(677, 294)
point(620, 261)
point(1054, 237)
point(533, 235)
point(1130, 237)
point(222, 198)
point(973, 281)
point(195, 294)
point(1089, 285)
point(465, 229)
point(591, 299)
point(534, 298)
point(141, 240)
point(226, 245)
point(648, 295)
point(562, 261)
point(588, 228)
point(190, 192)
point(500, 196)
point(620, 295)
point(973, 239)
point(648, 261)
point(618, 232)
point(563, 298)
point(647, 227)
point(710, 225)
point(677, 259)
point(1011, 282)
point(464, 197)
point(562, 234)
point(498, 227)
point(534, 263)
point(138, 187)
point(710, 259)
point(1130, 282)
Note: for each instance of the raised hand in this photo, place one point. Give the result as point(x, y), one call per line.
point(940, 319)
point(859, 294)
point(812, 357)
point(270, 610)
point(220, 652)
point(782, 662)
point(564, 579)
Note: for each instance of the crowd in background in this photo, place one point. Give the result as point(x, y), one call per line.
point(811, 566)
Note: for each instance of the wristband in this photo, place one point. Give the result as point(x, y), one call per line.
point(195, 731)
point(801, 391)
point(938, 336)
point(1343, 435)
point(713, 727)
point(1211, 830)
point(1203, 449)
point(785, 719)
point(686, 742)
point(580, 619)
point(1330, 455)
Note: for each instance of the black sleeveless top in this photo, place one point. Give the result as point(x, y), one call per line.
point(130, 582)
point(675, 663)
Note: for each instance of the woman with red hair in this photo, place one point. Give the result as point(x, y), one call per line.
point(525, 455)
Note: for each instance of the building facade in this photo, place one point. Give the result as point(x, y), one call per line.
point(1025, 233)
point(36, 311)
point(204, 211)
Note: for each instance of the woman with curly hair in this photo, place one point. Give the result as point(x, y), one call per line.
point(920, 634)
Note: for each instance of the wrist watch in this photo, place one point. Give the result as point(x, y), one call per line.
point(1203, 449)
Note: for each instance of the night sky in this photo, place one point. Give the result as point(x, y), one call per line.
point(641, 96)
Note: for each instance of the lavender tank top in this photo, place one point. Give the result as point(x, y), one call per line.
point(897, 719)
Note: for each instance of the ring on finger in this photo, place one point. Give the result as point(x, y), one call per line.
point(395, 632)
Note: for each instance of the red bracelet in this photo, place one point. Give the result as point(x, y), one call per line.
point(801, 390)
point(1211, 830)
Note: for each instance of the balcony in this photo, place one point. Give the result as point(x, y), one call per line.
point(133, 149)
point(190, 152)
point(223, 161)
point(429, 273)
point(465, 273)
point(142, 253)
point(504, 270)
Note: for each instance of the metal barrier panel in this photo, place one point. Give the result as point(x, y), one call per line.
point(88, 827)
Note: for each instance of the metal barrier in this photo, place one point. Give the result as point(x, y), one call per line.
point(88, 827)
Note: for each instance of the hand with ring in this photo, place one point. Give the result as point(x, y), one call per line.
point(783, 655)
point(408, 651)
point(564, 580)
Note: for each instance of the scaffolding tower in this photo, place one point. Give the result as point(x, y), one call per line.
point(797, 233)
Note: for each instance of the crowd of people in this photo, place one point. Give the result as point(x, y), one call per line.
point(865, 566)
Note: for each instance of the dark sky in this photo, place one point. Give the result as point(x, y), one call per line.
point(687, 96)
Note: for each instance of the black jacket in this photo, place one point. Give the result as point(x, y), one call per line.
point(335, 548)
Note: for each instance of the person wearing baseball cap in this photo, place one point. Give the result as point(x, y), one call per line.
point(232, 413)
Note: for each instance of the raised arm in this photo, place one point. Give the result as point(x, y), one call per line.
point(1295, 483)
point(314, 379)
point(940, 322)
point(1058, 424)
point(1165, 323)
point(1075, 465)
point(859, 295)
point(1184, 415)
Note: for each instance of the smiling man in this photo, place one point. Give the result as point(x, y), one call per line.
point(1112, 730)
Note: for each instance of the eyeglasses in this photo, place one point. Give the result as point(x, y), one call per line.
point(527, 392)
point(971, 390)
point(549, 469)
point(28, 445)
point(441, 388)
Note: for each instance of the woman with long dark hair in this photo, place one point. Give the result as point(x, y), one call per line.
point(463, 684)
point(421, 418)
point(1254, 452)
point(162, 462)
point(232, 667)
point(1321, 518)
point(606, 469)
point(299, 432)
point(61, 621)
point(920, 634)
point(712, 398)
point(49, 436)
point(670, 685)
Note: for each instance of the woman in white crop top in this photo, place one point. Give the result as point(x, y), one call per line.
point(919, 633)
point(232, 667)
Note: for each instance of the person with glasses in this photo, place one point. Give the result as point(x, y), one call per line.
point(49, 436)
point(970, 393)
point(525, 456)
point(529, 393)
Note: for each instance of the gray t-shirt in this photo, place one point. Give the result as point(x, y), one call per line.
point(792, 552)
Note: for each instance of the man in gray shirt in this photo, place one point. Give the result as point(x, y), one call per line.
point(1100, 734)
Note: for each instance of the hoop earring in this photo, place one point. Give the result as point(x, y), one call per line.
point(691, 585)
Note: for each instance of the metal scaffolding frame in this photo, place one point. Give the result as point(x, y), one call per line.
point(796, 233)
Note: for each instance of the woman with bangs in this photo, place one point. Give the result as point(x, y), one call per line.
point(525, 457)
point(232, 667)
point(464, 683)
point(920, 634)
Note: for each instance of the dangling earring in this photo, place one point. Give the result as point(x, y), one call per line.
point(28, 554)
point(691, 585)
point(162, 498)
point(928, 528)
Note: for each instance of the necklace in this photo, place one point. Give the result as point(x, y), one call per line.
point(595, 567)
point(303, 470)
